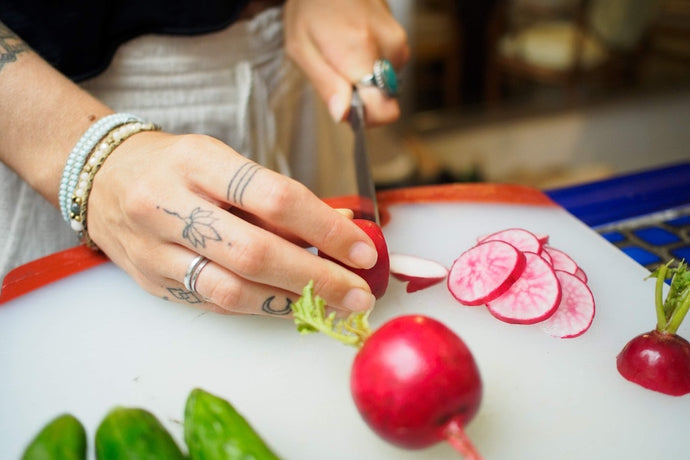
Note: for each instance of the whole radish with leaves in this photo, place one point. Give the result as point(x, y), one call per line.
point(413, 380)
point(660, 359)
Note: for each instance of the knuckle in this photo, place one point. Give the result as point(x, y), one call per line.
point(227, 293)
point(278, 200)
point(250, 259)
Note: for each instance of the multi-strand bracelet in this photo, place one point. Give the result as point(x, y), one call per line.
point(78, 199)
point(77, 157)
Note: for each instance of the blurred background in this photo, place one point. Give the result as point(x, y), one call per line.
point(545, 93)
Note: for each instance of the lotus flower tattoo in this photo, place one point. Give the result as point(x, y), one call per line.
point(198, 227)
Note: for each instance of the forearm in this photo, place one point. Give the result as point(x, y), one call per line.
point(42, 115)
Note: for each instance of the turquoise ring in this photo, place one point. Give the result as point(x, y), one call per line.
point(382, 77)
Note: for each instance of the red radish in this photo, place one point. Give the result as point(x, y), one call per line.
point(419, 273)
point(532, 298)
point(575, 312)
point(522, 239)
point(560, 260)
point(414, 381)
point(376, 276)
point(484, 272)
point(660, 360)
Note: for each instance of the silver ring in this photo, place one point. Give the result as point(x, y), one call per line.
point(383, 77)
point(193, 271)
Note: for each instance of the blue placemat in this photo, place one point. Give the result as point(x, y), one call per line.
point(645, 214)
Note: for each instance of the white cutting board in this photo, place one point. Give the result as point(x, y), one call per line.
point(96, 340)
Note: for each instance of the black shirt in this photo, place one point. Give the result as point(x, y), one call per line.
point(79, 37)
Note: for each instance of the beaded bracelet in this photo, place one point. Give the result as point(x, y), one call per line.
point(77, 157)
point(80, 196)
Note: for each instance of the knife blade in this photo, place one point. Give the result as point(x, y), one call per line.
point(366, 190)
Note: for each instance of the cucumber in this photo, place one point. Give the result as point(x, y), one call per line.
point(134, 434)
point(63, 438)
point(214, 430)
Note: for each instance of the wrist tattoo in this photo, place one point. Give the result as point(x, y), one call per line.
point(239, 182)
point(198, 227)
point(267, 307)
point(10, 46)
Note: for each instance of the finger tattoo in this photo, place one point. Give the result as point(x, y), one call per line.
point(184, 295)
point(267, 306)
point(198, 226)
point(240, 180)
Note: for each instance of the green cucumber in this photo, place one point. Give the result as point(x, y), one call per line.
point(214, 430)
point(134, 434)
point(63, 438)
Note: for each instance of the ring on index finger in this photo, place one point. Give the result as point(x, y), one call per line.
point(193, 272)
point(383, 77)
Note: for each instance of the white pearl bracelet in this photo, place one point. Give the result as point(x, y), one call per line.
point(77, 157)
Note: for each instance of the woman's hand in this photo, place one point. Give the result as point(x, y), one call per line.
point(336, 43)
point(161, 199)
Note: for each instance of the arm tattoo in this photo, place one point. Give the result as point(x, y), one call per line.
point(268, 308)
point(10, 46)
point(240, 180)
point(198, 227)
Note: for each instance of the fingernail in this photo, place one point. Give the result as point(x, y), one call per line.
point(349, 213)
point(337, 106)
point(363, 255)
point(358, 300)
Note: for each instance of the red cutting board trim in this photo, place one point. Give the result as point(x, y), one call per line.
point(54, 267)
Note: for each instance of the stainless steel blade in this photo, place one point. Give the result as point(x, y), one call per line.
point(365, 183)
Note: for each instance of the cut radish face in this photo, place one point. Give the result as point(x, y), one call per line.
point(419, 273)
point(575, 312)
point(545, 255)
point(522, 239)
point(484, 272)
point(532, 298)
point(560, 260)
point(580, 273)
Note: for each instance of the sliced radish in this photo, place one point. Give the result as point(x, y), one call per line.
point(484, 272)
point(547, 257)
point(560, 260)
point(580, 273)
point(522, 239)
point(419, 273)
point(532, 298)
point(543, 238)
point(575, 312)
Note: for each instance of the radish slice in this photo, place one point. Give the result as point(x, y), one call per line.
point(560, 260)
point(484, 272)
point(419, 273)
point(545, 255)
point(580, 273)
point(532, 298)
point(575, 311)
point(522, 239)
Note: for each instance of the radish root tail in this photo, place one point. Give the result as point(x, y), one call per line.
point(458, 439)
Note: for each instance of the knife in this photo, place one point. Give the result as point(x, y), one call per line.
point(366, 191)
